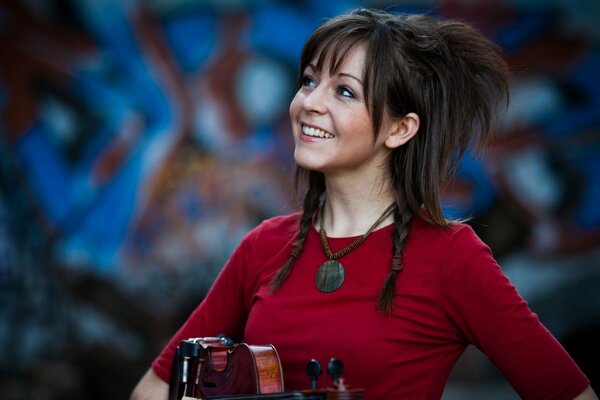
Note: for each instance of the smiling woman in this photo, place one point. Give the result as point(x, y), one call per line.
point(331, 123)
point(386, 106)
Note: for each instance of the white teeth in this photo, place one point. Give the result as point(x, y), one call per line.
point(310, 131)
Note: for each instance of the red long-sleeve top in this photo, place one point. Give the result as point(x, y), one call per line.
point(451, 293)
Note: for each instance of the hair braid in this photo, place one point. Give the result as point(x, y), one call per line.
point(402, 219)
point(311, 202)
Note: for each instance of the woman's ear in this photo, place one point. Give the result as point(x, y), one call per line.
point(402, 130)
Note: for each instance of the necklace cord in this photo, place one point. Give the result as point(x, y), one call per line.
point(357, 242)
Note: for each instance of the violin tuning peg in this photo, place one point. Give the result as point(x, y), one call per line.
point(335, 368)
point(313, 369)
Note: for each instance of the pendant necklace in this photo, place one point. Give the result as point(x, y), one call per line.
point(330, 274)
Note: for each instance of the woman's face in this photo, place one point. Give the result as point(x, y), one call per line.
point(332, 127)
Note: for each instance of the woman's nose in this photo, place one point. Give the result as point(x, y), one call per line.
point(314, 101)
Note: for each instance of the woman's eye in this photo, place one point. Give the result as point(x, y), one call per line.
point(346, 92)
point(308, 81)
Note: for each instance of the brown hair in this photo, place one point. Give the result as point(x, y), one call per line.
point(447, 73)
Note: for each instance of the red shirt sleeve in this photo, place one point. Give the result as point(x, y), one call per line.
point(486, 307)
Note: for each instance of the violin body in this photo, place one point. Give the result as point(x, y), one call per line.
point(211, 368)
point(241, 369)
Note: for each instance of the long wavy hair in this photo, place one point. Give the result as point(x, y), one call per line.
point(447, 73)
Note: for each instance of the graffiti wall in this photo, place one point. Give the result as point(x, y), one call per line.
point(140, 140)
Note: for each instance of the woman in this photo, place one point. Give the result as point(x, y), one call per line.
point(370, 272)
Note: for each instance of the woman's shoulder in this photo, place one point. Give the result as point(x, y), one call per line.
point(270, 239)
point(441, 242)
point(276, 229)
point(279, 224)
point(424, 229)
point(455, 253)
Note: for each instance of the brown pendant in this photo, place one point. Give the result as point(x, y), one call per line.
point(330, 276)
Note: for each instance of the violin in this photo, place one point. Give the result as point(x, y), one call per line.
point(216, 368)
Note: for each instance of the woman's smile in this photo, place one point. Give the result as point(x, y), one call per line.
point(314, 132)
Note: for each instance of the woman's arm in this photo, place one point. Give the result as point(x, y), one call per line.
point(492, 315)
point(587, 394)
point(151, 387)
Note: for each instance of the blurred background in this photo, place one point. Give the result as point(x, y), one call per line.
point(140, 140)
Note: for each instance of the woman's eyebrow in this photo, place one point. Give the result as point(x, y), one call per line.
point(343, 74)
point(350, 76)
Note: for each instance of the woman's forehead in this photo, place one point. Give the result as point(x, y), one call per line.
point(334, 58)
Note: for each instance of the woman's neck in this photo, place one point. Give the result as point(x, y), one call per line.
point(352, 207)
